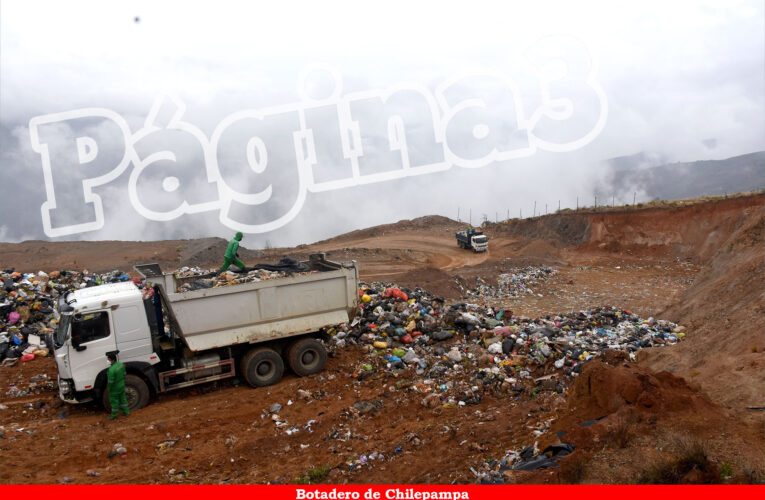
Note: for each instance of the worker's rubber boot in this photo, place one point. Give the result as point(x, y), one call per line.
point(114, 416)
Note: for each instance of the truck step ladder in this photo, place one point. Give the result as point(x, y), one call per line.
point(164, 377)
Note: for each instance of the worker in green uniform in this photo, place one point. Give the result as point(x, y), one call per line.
point(232, 255)
point(115, 384)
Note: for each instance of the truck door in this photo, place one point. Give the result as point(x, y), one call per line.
point(92, 338)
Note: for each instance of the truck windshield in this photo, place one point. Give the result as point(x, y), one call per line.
point(63, 328)
point(479, 239)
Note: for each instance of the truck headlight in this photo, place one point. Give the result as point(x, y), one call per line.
point(64, 386)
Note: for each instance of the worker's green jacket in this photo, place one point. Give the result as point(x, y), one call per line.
point(115, 376)
point(232, 249)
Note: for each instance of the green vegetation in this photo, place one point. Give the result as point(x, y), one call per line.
point(726, 470)
point(690, 465)
point(314, 475)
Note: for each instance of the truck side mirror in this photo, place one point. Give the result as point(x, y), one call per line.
point(77, 341)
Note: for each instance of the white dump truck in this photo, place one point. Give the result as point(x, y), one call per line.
point(472, 240)
point(177, 339)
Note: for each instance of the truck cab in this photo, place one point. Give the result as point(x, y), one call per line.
point(94, 321)
point(479, 242)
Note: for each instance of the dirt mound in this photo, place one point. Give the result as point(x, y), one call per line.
point(429, 223)
point(202, 251)
point(567, 229)
point(100, 256)
point(630, 425)
point(602, 390)
point(209, 251)
point(103, 256)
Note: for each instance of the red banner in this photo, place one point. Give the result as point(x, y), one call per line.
point(383, 492)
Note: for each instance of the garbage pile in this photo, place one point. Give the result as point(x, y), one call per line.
point(513, 284)
point(28, 301)
point(526, 459)
point(35, 385)
point(27, 309)
point(459, 351)
point(211, 278)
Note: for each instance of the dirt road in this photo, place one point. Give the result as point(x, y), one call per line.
point(438, 251)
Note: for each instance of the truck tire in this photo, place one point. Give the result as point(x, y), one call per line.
point(136, 390)
point(262, 367)
point(306, 357)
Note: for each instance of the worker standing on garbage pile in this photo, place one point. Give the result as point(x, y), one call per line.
point(232, 254)
point(115, 384)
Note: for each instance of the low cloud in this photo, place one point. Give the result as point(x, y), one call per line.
point(691, 92)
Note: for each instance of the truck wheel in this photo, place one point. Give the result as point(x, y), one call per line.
point(136, 391)
point(306, 357)
point(262, 367)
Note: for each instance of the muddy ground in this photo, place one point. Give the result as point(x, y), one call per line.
point(701, 265)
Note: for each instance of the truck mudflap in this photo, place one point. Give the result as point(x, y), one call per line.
point(226, 367)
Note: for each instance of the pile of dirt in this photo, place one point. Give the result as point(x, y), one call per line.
point(202, 251)
point(96, 256)
point(567, 229)
point(603, 389)
point(428, 223)
point(633, 425)
point(206, 251)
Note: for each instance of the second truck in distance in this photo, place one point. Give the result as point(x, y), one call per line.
point(473, 240)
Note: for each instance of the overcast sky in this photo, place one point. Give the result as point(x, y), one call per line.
point(679, 81)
